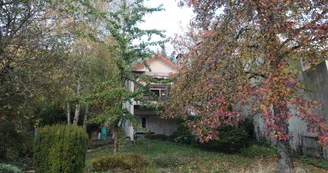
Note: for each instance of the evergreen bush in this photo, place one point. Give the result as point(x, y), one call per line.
point(60, 148)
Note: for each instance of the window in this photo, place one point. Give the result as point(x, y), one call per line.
point(160, 92)
point(143, 122)
point(156, 92)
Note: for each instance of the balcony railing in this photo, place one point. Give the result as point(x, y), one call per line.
point(157, 92)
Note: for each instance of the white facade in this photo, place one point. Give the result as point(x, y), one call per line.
point(160, 67)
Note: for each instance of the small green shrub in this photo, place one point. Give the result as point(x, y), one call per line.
point(167, 160)
point(256, 150)
point(60, 148)
point(130, 162)
point(7, 168)
point(315, 162)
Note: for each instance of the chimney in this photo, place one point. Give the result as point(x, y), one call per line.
point(180, 59)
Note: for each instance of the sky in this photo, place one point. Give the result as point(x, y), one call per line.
point(174, 20)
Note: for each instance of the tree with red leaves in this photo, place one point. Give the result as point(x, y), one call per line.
point(243, 56)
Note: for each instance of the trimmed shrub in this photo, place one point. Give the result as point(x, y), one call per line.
point(256, 150)
point(130, 162)
point(7, 168)
point(60, 148)
point(167, 160)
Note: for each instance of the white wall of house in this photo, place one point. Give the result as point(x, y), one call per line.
point(160, 126)
point(153, 123)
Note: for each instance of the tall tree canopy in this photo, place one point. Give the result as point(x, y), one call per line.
point(46, 48)
point(32, 52)
point(246, 54)
point(127, 49)
point(55, 54)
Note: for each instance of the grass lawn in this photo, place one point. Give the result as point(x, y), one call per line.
point(169, 157)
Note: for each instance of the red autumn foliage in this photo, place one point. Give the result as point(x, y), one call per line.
point(243, 56)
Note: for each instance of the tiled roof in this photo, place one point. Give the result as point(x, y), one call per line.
point(141, 65)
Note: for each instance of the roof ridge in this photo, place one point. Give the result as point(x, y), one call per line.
point(169, 62)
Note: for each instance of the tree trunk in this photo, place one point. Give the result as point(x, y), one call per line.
point(115, 140)
point(285, 161)
point(78, 105)
point(86, 111)
point(68, 107)
point(77, 114)
point(85, 117)
point(116, 137)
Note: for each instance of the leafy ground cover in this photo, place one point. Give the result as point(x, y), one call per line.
point(168, 157)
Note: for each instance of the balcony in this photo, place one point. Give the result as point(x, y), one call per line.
point(157, 93)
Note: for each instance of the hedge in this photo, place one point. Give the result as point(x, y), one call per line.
point(60, 149)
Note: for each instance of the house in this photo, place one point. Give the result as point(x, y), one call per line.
point(158, 67)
